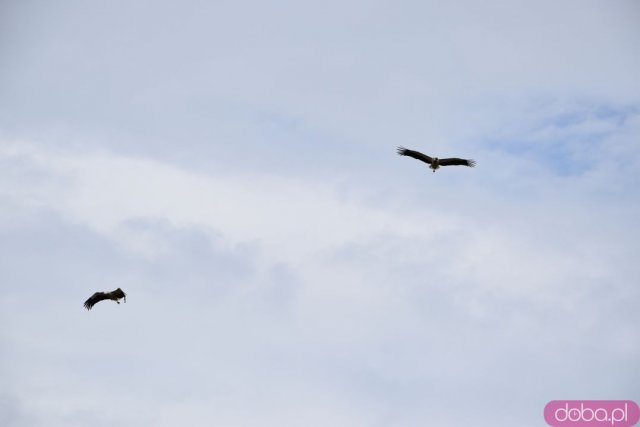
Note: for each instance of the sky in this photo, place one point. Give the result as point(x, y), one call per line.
point(231, 166)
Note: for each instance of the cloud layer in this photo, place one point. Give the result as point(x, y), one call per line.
point(231, 166)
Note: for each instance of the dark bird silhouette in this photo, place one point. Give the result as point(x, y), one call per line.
point(100, 296)
point(434, 162)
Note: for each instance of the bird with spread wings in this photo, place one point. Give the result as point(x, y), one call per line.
point(434, 162)
point(101, 296)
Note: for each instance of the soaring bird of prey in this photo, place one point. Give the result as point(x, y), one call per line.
point(100, 296)
point(434, 162)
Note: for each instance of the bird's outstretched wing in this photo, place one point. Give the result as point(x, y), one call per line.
point(95, 298)
point(454, 161)
point(415, 154)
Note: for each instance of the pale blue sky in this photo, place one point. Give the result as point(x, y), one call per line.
point(232, 167)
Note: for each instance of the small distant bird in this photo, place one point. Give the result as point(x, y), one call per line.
point(100, 296)
point(434, 162)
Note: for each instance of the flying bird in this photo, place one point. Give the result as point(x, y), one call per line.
point(100, 296)
point(434, 162)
